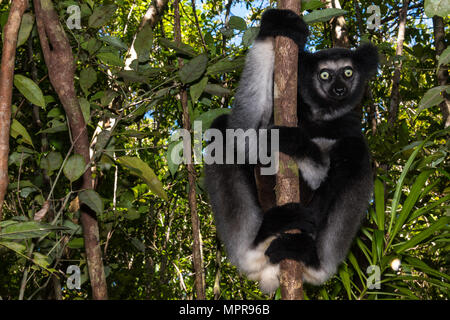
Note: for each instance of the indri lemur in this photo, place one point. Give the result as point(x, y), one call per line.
point(327, 144)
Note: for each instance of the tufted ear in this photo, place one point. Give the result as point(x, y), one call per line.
point(366, 58)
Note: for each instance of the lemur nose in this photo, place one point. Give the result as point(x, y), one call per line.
point(340, 91)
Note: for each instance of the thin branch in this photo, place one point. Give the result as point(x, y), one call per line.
point(10, 32)
point(395, 91)
point(194, 11)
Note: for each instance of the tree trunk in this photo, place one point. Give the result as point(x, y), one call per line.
point(339, 31)
point(10, 32)
point(59, 59)
point(151, 17)
point(395, 92)
point(197, 246)
point(285, 114)
point(442, 74)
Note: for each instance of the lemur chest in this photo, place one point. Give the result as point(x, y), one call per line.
point(312, 172)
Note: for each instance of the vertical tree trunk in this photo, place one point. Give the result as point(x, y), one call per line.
point(10, 32)
point(339, 32)
point(151, 17)
point(59, 60)
point(197, 246)
point(442, 75)
point(395, 92)
point(285, 114)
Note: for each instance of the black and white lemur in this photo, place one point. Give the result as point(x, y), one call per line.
point(327, 144)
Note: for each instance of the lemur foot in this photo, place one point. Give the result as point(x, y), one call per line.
point(291, 216)
point(296, 246)
point(278, 22)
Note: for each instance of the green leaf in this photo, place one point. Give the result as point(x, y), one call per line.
point(40, 259)
point(197, 89)
point(377, 244)
point(208, 117)
point(444, 58)
point(430, 206)
point(217, 90)
point(101, 15)
point(115, 42)
point(194, 69)
point(25, 28)
point(55, 126)
point(439, 8)
point(74, 167)
point(237, 23)
point(432, 98)
point(345, 278)
point(323, 15)
point(17, 129)
point(111, 59)
point(133, 214)
point(92, 200)
point(30, 90)
point(379, 204)
point(140, 169)
point(85, 109)
point(411, 200)
point(249, 36)
point(226, 65)
point(27, 230)
point(426, 268)
point(138, 244)
point(14, 246)
point(181, 48)
point(91, 46)
point(52, 161)
point(312, 4)
point(143, 43)
point(88, 77)
point(442, 222)
point(173, 167)
point(76, 243)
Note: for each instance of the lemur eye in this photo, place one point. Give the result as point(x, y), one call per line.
point(324, 75)
point(348, 73)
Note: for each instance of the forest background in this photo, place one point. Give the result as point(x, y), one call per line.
point(91, 93)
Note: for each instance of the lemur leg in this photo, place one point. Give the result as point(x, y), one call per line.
point(336, 206)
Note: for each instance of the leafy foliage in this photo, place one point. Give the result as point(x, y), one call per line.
point(140, 195)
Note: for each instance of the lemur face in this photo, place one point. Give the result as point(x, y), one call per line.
point(335, 79)
point(332, 81)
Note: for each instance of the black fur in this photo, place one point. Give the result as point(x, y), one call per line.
point(283, 23)
point(327, 143)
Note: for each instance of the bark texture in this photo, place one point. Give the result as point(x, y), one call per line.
point(285, 114)
point(395, 92)
point(151, 18)
point(442, 74)
point(197, 245)
point(10, 32)
point(339, 30)
point(59, 60)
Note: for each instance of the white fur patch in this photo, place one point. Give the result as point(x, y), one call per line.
point(338, 113)
point(313, 173)
point(257, 267)
point(335, 64)
point(316, 276)
point(324, 144)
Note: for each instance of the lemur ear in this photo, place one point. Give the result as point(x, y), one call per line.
point(366, 57)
